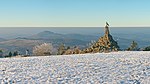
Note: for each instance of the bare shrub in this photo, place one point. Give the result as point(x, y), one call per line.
point(43, 49)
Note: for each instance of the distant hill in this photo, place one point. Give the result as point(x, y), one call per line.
point(46, 35)
point(52, 35)
point(57, 39)
point(22, 43)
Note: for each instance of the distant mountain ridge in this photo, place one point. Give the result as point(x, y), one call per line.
point(23, 43)
point(52, 35)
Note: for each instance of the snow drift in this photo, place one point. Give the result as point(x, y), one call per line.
point(116, 67)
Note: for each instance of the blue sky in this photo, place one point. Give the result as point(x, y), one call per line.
point(74, 13)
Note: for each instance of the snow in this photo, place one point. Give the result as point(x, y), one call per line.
point(124, 67)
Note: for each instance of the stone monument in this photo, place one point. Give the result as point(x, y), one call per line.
point(105, 43)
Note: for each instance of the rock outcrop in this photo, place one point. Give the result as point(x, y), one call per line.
point(105, 43)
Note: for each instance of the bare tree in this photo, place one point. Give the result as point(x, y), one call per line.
point(43, 49)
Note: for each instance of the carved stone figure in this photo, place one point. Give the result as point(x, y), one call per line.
point(107, 29)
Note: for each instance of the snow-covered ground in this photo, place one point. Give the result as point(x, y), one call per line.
point(105, 68)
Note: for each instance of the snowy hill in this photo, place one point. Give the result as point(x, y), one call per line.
point(109, 68)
